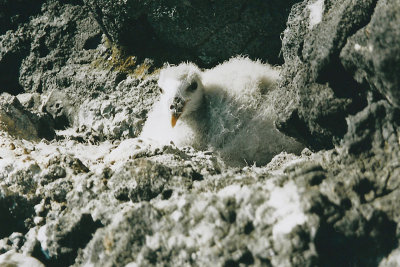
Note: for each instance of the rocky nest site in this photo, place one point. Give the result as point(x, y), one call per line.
point(78, 187)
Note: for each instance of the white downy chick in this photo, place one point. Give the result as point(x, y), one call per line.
point(227, 109)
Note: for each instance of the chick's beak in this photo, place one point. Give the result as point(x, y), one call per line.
point(174, 119)
point(176, 108)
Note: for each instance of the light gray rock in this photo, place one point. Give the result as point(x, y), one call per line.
point(118, 114)
point(15, 120)
point(12, 258)
point(23, 122)
point(392, 260)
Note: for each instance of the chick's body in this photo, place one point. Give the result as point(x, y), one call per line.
point(230, 111)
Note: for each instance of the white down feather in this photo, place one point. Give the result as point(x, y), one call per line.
point(231, 111)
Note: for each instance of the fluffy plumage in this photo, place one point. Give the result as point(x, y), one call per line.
point(228, 109)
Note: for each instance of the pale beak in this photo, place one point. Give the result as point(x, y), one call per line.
point(174, 119)
point(176, 108)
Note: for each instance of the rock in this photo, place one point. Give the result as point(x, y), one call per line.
point(137, 222)
point(205, 32)
point(118, 114)
point(20, 123)
point(373, 129)
point(184, 225)
point(53, 43)
point(297, 211)
point(148, 181)
point(30, 101)
point(15, 120)
point(75, 232)
point(33, 55)
point(317, 87)
point(14, 47)
point(16, 12)
point(17, 239)
point(392, 260)
point(60, 108)
point(16, 211)
point(12, 258)
point(66, 61)
point(371, 54)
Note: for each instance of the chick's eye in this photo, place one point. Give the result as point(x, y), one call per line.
point(161, 90)
point(192, 87)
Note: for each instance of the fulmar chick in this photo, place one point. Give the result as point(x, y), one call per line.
point(228, 109)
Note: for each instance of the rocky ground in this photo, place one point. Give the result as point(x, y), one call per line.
point(79, 188)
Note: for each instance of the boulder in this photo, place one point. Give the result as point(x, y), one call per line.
point(19, 122)
point(318, 92)
point(12, 258)
point(206, 32)
point(14, 12)
point(372, 53)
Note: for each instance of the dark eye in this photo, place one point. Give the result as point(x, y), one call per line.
point(192, 87)
point(161, 90)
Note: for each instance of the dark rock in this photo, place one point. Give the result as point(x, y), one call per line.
point(347, 236)
point(14, 12)
point(373, 128)
point(205, 32)
point(372, 54)
point(54, 172)
point(321, 48)
point(320, 93)
point(356, 240)
point(14, 47)
point(73, 232)
point(53, 44)
point(32, 56)
point(15, 209)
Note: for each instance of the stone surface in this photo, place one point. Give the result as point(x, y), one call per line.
point(173, 205)
point(207, 32)
point(15, 259)
point(372, 53)
point(32, 56)
point(21, 123)
point(14, 12)
point(325, 94)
